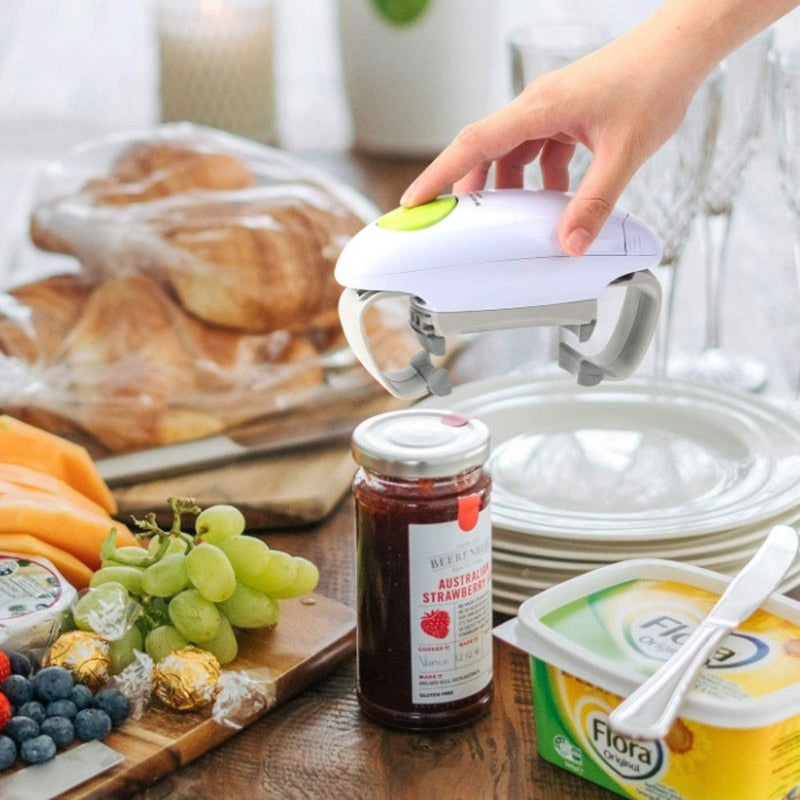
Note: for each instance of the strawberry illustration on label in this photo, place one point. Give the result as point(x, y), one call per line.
point(436, 623)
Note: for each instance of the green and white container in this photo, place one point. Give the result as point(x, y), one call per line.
point(416, 71)
point(593, 639)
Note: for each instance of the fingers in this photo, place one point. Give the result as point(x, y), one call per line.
point(467, 158)
point(509, 171)
point(474, 180)
point(593, 202)
point(462, 160)
point(554, 163)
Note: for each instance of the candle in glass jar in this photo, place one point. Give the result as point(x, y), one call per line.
point(216, 65)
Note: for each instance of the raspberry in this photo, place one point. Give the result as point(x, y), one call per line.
point(5, 666)
point(5, 711)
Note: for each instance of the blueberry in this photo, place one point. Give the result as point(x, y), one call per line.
point(20, 664)
point(52, 683)
point(21, 728)
point(92, 723)
point(60, 730)
point(82, 696)
point(18, 689)
point(61, 708)
point(8, 752)
point(33, 709)
point(115, 703)
point(38, 749)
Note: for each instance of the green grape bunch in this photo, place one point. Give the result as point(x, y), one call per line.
point(189, 588)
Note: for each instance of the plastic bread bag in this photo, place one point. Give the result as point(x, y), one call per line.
point(187, 287)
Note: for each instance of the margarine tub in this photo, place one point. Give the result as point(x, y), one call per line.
point(593, 639)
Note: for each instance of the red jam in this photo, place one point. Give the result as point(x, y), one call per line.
point(423, 562)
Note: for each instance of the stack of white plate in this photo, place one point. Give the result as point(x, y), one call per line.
point(583, 477)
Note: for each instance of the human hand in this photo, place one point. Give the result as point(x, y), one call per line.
point(622, 102)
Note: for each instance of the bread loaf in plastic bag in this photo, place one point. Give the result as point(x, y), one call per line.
point(179, 281)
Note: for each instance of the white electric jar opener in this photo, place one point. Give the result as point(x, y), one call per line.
point(491, 260)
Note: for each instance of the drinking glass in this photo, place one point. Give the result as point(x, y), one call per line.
point(785, 97)
point(539, 49)
point(666, 193)
point(742, 109)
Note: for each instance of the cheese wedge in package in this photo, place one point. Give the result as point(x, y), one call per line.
point(34, 596)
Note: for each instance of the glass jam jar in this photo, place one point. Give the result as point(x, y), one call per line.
point(423, 569)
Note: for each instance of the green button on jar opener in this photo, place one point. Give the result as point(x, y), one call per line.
point(413, 219)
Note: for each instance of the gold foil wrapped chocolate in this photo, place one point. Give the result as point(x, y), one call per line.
point(186, 679)
point(83, 653)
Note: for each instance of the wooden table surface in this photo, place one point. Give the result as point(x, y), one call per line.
point(319, 744)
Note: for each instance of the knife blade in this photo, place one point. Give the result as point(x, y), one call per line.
point(210, 452)
point(300, 429)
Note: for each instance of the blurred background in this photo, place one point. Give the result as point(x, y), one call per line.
point(72, 68)
point(76, 69)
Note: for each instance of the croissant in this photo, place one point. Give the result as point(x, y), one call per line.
point(134, 370)
point(143, 172)
point(36, 317)
point(148, 171)
point(254, 265)
point(255, 258)
point(205, 299)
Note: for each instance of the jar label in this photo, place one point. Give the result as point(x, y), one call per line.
point(450, 596)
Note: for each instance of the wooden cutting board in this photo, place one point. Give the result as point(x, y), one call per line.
point(313, 635)
point(292, 486)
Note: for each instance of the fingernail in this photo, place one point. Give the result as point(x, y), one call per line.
point(408, 195)
point(578, 241)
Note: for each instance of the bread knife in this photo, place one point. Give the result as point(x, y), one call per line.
point(208, 452)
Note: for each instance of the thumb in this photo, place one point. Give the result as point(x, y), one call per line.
point(590, 206)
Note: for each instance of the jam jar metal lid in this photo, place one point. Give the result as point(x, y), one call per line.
point(420, 443)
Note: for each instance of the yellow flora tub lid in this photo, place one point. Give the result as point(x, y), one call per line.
point(616, 625)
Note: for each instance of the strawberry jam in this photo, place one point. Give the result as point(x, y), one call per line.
point(423, 561)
